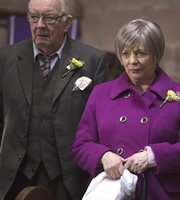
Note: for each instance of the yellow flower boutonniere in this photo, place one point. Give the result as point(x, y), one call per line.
point(74, 64)
point(171, 96)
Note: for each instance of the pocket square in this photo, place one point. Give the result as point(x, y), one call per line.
point(82, 83)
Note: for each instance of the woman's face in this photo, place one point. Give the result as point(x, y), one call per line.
point(139, 65)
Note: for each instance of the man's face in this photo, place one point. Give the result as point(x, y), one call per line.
point(48, 37)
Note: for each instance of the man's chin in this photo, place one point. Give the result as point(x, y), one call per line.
point(41, 41)
point(41, 44)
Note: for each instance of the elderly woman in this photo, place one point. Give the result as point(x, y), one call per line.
point(126, 125)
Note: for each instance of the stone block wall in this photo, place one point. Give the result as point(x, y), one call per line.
point(101, 20)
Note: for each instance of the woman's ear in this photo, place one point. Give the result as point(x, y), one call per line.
point(67, 23)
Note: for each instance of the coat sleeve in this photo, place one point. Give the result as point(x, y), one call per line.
point(86, 150)
point(167, 156)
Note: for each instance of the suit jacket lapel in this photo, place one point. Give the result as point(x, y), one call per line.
point(26, 63)
point(25, 69)
point(68, 53)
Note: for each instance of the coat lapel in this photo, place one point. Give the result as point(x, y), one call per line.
point(25, 69)
point(26, 63)
point(68, 53)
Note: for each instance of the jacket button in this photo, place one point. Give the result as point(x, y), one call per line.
point(19, 158)
point(120, 151)
point(23, 136)
point(43, 120)
point(33, 170)
point(144, 120)
point(127, 95)
point(123, 119)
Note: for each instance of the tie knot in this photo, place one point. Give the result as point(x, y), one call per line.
point(47, 59)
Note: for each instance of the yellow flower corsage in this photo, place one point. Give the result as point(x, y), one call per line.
point(171, 96)
point(74, 64)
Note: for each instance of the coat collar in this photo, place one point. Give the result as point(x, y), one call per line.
point(120, 85)
point(160, 86)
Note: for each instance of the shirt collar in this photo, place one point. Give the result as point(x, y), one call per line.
point(58, 52)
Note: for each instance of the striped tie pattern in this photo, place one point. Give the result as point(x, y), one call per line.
point(45, 68)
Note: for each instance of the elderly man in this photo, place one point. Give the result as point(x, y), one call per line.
point(45, 83)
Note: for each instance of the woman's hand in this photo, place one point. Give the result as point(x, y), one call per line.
point(137, 163)
point(113, 165)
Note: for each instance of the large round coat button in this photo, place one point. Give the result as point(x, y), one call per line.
point(127, 95)
point(120, 151)
point(144, 120)
point(123, 119)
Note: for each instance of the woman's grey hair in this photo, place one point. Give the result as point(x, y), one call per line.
point(140, 31)
point(63, 4)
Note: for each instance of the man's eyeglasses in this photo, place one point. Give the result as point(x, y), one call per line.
point(46, 19)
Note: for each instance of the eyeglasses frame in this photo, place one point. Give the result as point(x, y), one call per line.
point(55, 18)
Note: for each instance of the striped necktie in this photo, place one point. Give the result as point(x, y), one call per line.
point(45, 68)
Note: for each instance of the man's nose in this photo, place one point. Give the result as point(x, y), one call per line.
point(40, 22)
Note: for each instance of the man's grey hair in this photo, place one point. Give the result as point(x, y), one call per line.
point(64, 6)
point(140, 31)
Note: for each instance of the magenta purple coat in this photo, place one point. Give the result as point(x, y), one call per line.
point(118, 117)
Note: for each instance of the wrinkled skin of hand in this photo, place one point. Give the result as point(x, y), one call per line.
point(113, 165)
point(137, 163)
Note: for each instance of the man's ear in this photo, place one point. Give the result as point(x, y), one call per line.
point(68, 23)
